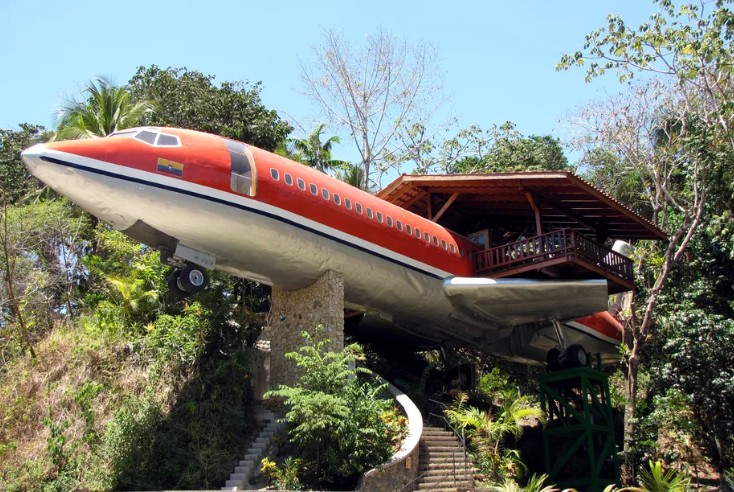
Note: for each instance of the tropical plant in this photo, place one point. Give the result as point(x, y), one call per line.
point(108, 108)
point(285, 478)
point(311, 152)
point(655, 479)
point(352, 174)
point(614, 488)
point(336, 420)
point(536, 483)
point(491, 433)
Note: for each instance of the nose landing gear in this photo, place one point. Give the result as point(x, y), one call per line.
point(188, 280)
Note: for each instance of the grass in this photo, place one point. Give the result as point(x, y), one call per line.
point(99, 411)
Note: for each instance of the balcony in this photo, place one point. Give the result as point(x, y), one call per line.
point(563, 253)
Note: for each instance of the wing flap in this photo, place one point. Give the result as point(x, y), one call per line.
point(513, 301)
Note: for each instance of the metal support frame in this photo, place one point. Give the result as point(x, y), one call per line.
point(578, 438)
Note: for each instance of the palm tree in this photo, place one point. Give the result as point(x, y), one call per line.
point(107, 109)
point(311, 152)
point(352, 174)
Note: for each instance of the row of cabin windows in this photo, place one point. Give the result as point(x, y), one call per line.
point(301, 184)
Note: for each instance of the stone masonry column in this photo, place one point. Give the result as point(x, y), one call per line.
point(302, 310)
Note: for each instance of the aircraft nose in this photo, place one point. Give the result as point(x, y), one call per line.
point(32, 156)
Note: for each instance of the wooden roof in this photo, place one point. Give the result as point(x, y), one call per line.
point(466, 203)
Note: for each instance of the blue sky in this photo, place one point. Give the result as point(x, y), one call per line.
point(498, 57)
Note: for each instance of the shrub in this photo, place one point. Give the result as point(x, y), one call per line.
point(335, 419)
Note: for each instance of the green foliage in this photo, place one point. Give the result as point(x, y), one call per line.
point(40, 246)
point(15, 180)
point(56, 442)
point(684, 41)
point(492, 433)
point(179, 340)
point(106, 110)
point(501, 149)
point(535, 484)
point(311, 152)
point(352, 174)
point(189, 99)
point(336, 421)
point(84, 398)
point(655, 480)
point(127, 442)
point(285, 478)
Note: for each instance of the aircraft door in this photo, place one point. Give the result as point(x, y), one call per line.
point(243, 178)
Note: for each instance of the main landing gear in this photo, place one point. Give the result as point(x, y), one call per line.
point(565, 357)
point(573, 356)
point(188, 280)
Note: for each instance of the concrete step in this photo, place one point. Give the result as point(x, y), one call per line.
point(249, 467)
point(443, 447)
point(445, 478)
point(442, 455)
point(445, 466)
point(444, 487)
point(440, 442)
point(448, 470)
point(429, 431)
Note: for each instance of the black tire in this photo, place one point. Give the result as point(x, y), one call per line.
point(173, 286)
point(192, 279)
point(553, 359)
point(575, 356)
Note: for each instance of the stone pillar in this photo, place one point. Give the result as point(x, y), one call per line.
point(321, 303)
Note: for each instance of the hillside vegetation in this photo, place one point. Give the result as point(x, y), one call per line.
point(135, 390)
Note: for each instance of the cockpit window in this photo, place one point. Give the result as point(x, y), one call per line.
point(167, 140)
point(147, 137)
point(243, 178)
point(123, 133)
point(151, 136)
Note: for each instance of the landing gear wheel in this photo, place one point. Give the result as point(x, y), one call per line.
point(173, 286)
point(553, 359)
point(575, 356)
point(192, 279)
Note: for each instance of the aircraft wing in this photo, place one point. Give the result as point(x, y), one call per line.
point(513, 301)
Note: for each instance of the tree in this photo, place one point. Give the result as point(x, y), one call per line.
point(15, 182)
point(311, 152)
point(189, 99)
point(687, 43)
point(107, 109)
point(40, 249)
point(501, 149)
point(373, 93)
point(691, 47)
point(663, 149)
point(352, 174)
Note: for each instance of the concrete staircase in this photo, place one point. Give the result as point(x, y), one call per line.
point(249, 467)
point(443, 464)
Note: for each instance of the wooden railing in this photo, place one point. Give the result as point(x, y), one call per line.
point(556, 246)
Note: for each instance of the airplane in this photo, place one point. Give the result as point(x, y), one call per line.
point(208, 202)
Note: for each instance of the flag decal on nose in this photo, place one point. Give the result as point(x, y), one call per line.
point(170, 167)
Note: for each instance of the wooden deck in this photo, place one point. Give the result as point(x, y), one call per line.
point(563, 253)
